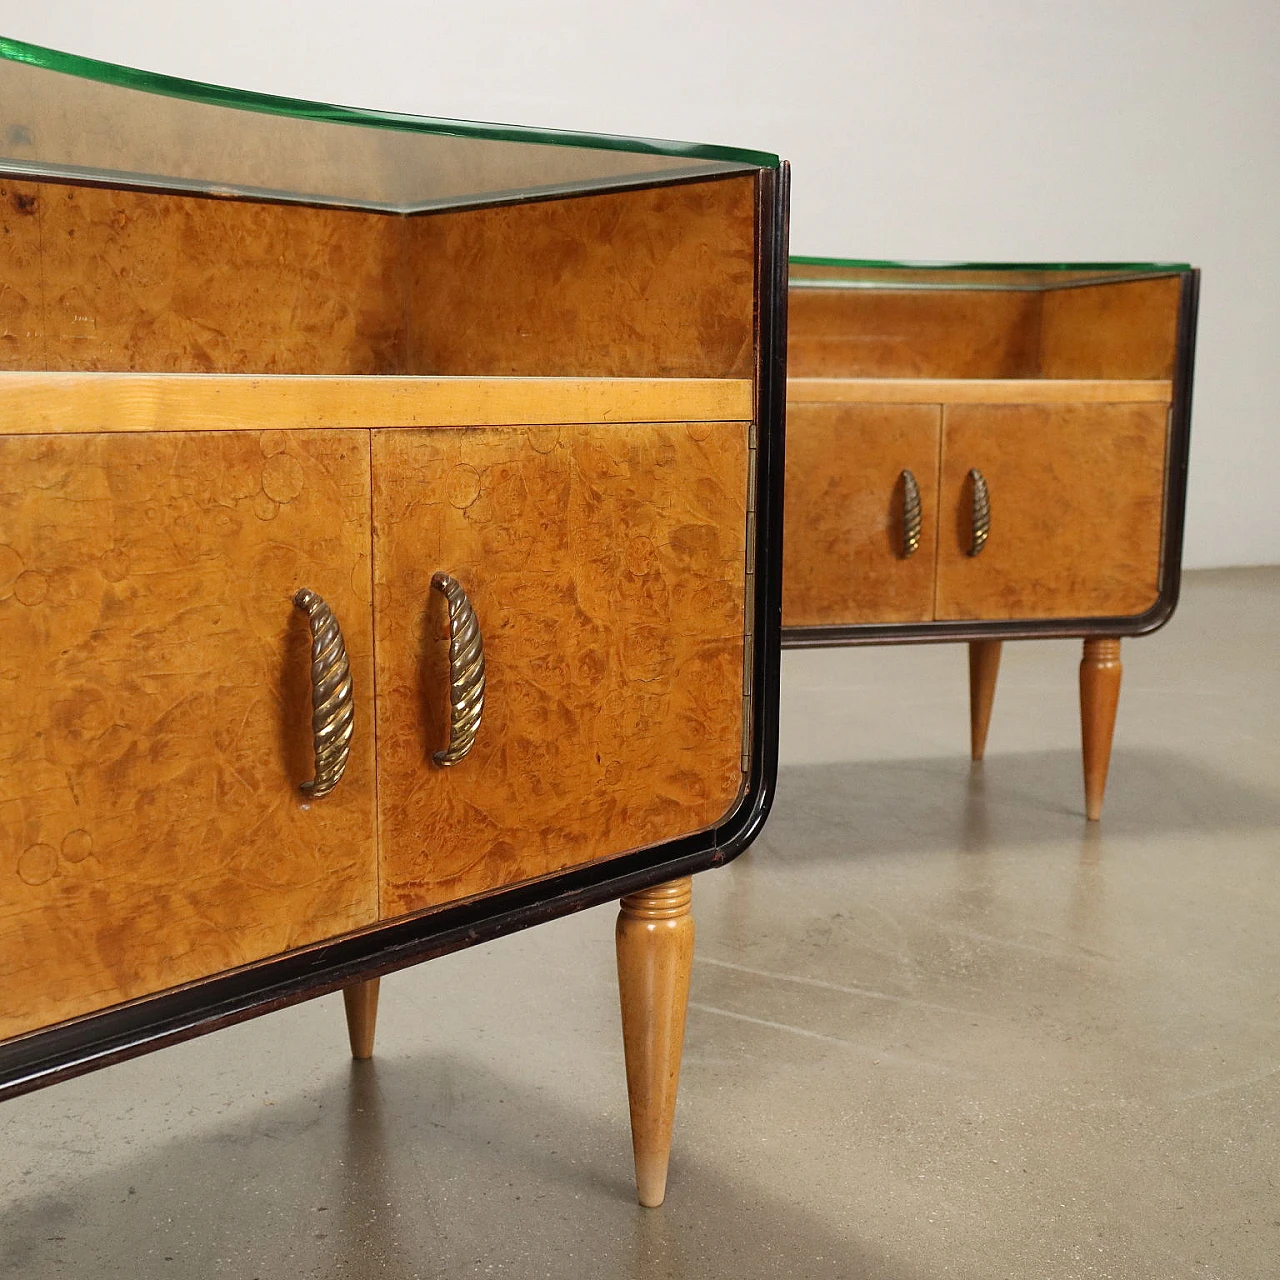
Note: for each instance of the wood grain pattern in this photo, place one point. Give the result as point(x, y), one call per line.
point(1100, 674)
point(984, 667)
point(62, 403)
point(1076, 501)
point(164, 283)
point(654, 941)
point(360, 1003)
point(842, 535)
point(979, 391)
point(1111, 331)
point(881, 333)
point(606, 567)
point(21, 292)
point(655, 282)
point(155, 680)
point(652, 283)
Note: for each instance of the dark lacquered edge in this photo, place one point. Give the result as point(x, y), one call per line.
point(1173, 519)
point(742, 826)
point(125, 1031)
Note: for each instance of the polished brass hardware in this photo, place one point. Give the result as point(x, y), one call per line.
point(981, 512)
point(332, 700)
point(466, 672)
point(912, 519)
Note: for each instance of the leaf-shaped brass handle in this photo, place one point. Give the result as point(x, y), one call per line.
point(981, 512)
point(912, 520)
point(466, 672)
point(332, 697)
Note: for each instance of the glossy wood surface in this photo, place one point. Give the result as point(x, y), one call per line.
point(22, 298)
point(1112, 330)
point(1125, 330)
point(1100, 674)
point(652, 282)
point(843, 556)
point(874, 333)
point(1076, 497)
point(656, 282)
point(978, 390)
point(155, 676)
point(655, 958)
point(139, 281)
point(984, 667)
point(360, 1002)
point(606, 567)
point(65, 403)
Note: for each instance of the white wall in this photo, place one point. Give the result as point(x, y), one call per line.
point(997, 129)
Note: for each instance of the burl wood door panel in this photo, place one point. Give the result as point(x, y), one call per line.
point(155, 709)
point(843, 560)
point(1076, 495)
point(606, 566)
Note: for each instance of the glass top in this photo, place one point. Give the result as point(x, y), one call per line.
point(63, 116)
point(856, 273)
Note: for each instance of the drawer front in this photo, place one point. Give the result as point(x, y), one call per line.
point(1076, 497)
point(606, 566)
point(844, 558)
point(156, 709)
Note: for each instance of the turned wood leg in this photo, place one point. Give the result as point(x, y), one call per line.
point(655, 956)
point(1100, 672)
point(984, 666)
point(361, 999)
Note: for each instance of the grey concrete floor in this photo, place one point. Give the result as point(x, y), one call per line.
point(940, 1027)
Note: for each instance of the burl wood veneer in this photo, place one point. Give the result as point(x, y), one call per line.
point(656, 283)
point(165, 283)
point(1111, 331)
point(253, 345)
point(845, 506)
point(906, 334)
point(154, 675)
point(653, 283)
point(606, 568)
point(1061, 395)
point(1076, 496)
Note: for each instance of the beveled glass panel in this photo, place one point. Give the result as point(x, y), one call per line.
point(68, 117)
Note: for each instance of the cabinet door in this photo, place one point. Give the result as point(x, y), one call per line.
point(155, 716)
point(844, 559)
point(1076, 493)
point(606, 566)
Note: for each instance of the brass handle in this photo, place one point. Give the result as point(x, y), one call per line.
point(981, 512)
point(912, 520)
point(332, 701)
point(466, 672)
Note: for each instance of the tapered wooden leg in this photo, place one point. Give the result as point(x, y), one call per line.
point(655, 956)
point(984, 666)
point(1100, 672)
point(361, 999)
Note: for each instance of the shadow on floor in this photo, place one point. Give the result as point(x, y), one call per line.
point(843, 809)
point(430, 1166)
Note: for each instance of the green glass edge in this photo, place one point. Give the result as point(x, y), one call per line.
point(906, 264)
point(269, 104)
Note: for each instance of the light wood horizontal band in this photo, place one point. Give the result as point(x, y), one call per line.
point(979, 390)
point(76, 403)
